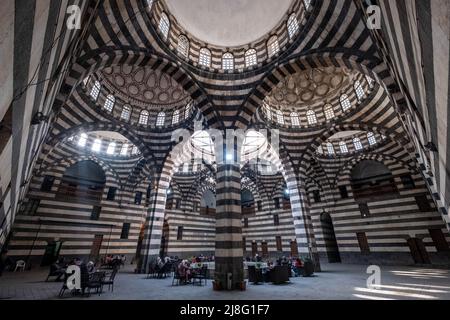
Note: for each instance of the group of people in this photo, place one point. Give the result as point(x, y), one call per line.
point(114, 261)
point(295, 264)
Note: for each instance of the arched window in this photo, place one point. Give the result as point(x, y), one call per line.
point(164, 25)
point(86, 81)
point(149, 3)
point(311, 117)
point(320, 149)
point(82, 140)
point(330, 148)
point(280, 118)
point(267, 111)
point(187, 111)
point(359, 90)
point(111, 148)
point(295, 121)
point(109, 103)
point(134, 151)
point(273, 47)
point(357, 144)
point(126, 113)
point(205, 57)
point(292, 25)
point(161, 119)
point(183, 46)
point(345, 103)
point(143, 117)
point(176, 117)
point(97, 145)
point(95, 91)
point(371, 138)
point(343, 147)
point(228, 61)
point(328, 111)
point(370, 81)
point(251, 58)
point(124, 150)
point(307, 4)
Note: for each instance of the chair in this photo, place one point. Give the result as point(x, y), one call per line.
point(254, 276)
point(55, 272)
point(176, 277)
point(110, 281)
point(200, 276)
point(20, 265)
point(96, 282)
point(280, 274)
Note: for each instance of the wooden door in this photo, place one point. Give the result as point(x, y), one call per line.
point(418, 251)
point(254, 248)
point(96, 246)
point(363, 243)
point(264, 249)
point(439, 240)
point(294, 248)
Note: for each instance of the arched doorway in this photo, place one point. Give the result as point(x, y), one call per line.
point(329, 238)
point(165, 239)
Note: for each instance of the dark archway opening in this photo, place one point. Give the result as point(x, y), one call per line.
point(208, 203)
point(372, 180)
point(83, 181)
point(247, 203)
point(329, 238)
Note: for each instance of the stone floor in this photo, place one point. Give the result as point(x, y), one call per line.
point(337, 281)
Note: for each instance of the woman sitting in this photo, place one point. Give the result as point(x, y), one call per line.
point(184, 271)
point(298, 267)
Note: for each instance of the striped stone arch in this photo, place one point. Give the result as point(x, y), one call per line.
point(258, 193)
point(382, 158)
point(351, 59)
point(329, 132)
point(53, 141)
point(139, 176)
point(99, 59)
point(68, 162)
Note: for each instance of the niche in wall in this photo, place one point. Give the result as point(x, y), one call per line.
point(372, 180)
point(84, 181)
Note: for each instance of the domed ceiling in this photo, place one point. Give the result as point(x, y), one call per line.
point(311, 87)
point(228, 23)
point(144, 87)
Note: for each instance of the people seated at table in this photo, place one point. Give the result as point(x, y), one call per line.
point(184, 271)
point(57, 269)
point(90, 267)
point(297, 267)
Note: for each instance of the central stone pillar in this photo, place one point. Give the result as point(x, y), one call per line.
point(154, 222)
point(229, 263)
point(229, 272)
